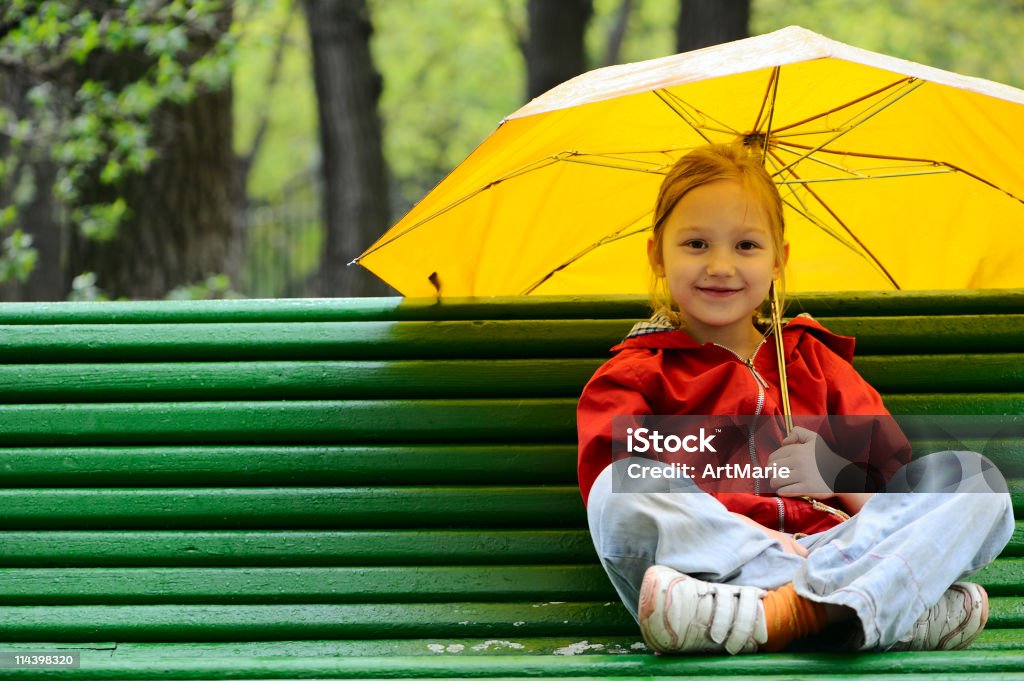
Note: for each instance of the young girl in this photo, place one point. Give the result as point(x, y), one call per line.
point(746, 572)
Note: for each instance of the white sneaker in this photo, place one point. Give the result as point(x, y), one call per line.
point(950, 624)
point(680, 614)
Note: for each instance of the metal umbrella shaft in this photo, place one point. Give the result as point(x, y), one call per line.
point(780, 355)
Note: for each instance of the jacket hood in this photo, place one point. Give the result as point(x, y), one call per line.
point(658, 334)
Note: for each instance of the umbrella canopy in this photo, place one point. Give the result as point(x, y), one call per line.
point(894, 175)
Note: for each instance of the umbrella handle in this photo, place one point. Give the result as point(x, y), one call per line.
point(780, 356)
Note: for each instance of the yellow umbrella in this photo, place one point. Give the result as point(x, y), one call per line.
point(894, 175)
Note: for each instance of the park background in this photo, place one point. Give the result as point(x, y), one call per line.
point(207, 148)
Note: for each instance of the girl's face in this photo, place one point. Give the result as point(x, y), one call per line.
point(718, 258)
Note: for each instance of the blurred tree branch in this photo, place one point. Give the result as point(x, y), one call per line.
point(617, 33)
point(273, 77)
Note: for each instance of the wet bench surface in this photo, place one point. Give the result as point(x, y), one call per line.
point(386, 489)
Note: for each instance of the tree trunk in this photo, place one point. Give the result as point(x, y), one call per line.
point(355, 195)
point(182, 209)
point(555, 50)
point(702, 23)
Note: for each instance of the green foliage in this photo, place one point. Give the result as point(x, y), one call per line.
point(217, 286)
point(290, 145)
point(973, 37)
point(95, 128)
point(451, 73)
point(99, 221)
point(276, 132)
point(84, 289)
point(649, 31)
point(18, 257)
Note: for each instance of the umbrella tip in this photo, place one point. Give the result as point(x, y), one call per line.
point(436, 282)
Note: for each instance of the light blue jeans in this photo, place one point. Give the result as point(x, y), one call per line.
point(889, 563)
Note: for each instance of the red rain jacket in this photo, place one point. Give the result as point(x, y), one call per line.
point(669, 373)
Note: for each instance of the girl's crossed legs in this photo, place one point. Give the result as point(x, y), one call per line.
point(889, 563)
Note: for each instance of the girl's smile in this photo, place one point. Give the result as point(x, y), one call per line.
point(718, 292)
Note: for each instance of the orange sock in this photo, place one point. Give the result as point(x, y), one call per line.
point(789, 617)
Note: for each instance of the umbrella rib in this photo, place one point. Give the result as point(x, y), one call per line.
point(866, 117)
point(860, 174)
point(670, 100)
point(769, 93)
point(663, 96)
point(864, 249)
point(820, 224)
point(804, 210)
point(771, 158)
point(455, 204)
point(771, 120)
point(822, 114)
point(581, 159)
point(890, 176)
point(834, 166)
point(805, 133)
point(816, 221)
point(910, 159)
point(565, 156)
point(610, 238)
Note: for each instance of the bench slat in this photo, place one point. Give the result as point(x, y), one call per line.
point(235, 622)
point(399, 379)
point(112, 586)
point(190, 622)
point(496, 583)
point(538, 420)
point(936, 334)
point(438, 340)
point(546, 421)
point(518, 658)
point(275, 380)
point(595, 648)
point(302, 507)
point(296, 507)
point(234, 466)
point(966, 373)
point(311, 341)
point(1004, 577)
point(57, 548)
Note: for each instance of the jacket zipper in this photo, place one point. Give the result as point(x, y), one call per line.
point(761, 385)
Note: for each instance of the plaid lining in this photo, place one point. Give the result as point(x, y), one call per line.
point(658, 323)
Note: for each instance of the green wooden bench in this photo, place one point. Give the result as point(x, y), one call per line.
point(382, 489)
